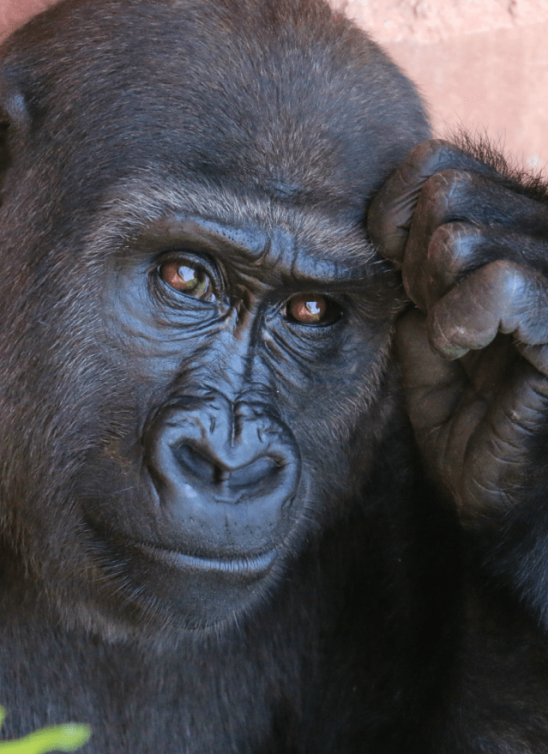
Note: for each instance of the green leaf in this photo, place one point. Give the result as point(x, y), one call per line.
point(68, 737)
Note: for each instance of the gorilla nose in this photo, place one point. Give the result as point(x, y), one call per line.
point(205, 468)
point(225, 474)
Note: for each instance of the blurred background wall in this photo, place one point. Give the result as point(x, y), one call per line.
point(481, 64)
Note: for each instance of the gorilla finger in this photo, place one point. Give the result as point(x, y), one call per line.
point(457, 249)
point(391, 211)
point(437, 204)
point(500, 442)
point(535, 355)
point(501, 297)
point(454, 250)
point(432, 384)
point(452, 194)
point(479, 198)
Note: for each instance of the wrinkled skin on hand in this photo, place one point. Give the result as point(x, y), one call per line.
point(473, 253)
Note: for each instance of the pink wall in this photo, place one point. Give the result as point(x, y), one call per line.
point(15, 12)
point(481, 64)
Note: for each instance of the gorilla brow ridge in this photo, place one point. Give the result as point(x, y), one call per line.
point(130, 209)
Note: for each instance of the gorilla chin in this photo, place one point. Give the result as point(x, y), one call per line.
point(183, 591)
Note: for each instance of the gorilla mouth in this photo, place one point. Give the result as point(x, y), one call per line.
point(253, 565)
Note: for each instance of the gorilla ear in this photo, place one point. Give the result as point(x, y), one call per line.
point(14, 122)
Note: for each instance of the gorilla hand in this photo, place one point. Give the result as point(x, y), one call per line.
point(473, 251)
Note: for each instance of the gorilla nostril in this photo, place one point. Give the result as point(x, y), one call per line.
point(203, 470)
point(198, 465)
point(256, 475)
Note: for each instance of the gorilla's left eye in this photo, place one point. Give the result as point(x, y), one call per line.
point(187, 278)
point(312, 309)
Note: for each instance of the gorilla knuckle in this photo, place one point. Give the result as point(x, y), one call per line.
point(456, 241)
point(511, 282)
point(447, 185)
point(432, 156)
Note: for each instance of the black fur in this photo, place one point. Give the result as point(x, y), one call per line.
point(249, 135)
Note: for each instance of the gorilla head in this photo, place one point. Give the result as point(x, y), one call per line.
point(193, 360)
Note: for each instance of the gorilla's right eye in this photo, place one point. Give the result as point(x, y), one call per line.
point(312, 309)
point(187, 278)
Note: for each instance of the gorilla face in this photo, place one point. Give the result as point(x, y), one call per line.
point(199, 328)
point(248, 356)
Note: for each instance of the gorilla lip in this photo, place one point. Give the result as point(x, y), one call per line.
point(253, 565)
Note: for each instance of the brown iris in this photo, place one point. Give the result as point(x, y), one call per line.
point(312, 309)
point(187, 278)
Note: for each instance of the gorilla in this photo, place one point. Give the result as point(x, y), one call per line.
point(273, 391)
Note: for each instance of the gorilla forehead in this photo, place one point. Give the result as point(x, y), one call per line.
point(303, 118)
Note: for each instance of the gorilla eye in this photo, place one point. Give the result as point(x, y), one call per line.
point(312, 309)
point(188, 279)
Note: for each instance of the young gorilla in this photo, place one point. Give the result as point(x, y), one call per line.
point(218, 531)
